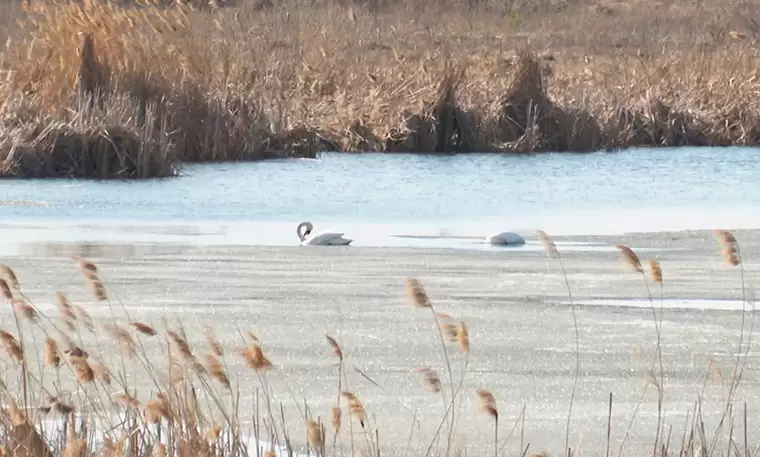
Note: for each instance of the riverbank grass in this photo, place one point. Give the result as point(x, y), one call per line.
point(106, 90)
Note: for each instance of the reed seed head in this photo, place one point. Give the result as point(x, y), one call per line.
point(21, 308)
point(5, 290)
point(729, 247)
point(430, 379)
point(415, 293)
point(157, 408)
point(355, 407)
point(125, 340)
point(12, 346)
point(463, 338)
point(65, 311)
point(549, 247)
point(335, 416)
point(212, 342)
point(630, 258)
point(315, 435)
point(52, 357)
point(101, 373)
point(82, 369)
point(335, 347)
point(255, 358)
point(182, 350)
point(9, 276)
point(145, 329)
point(655, 271)
point(128, 401)
point(487, 403)
point(215, 368)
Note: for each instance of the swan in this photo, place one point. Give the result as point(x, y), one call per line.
point(320, 238)
point(505, 238)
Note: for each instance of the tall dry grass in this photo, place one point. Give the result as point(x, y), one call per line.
point(131, 90)
point(64, 400)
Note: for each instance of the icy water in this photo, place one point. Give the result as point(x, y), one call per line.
point(373, 198)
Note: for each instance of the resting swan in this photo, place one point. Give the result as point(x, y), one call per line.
point(320, 238)
point(505, 238)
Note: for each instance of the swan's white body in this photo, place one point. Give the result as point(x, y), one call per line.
point(505, 238)
point(325, 238)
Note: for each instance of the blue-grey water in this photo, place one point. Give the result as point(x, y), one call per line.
point(372, 197)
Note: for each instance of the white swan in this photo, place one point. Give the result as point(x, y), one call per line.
point(505, 238)
point(320, 238)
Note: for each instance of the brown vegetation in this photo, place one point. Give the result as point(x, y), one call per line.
point(185, 410)
point(128, 90)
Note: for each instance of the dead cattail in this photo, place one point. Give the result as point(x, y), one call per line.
point(82, 369)
point(415, 293)
point(315, 435)
point(212, 342)
point(65, 311)
point(630, 258)
point(463, 338)
point(145, 329)
point(335, 416)
point(335, 347)
point(355, 407)
point(9, 276)
point(52, 356)
point(549, 246)
point(12, 346)
point(729, 247)
point(215, 368)
point(20, 307)
point(255, 357)
point(430, 379)
point(5, 290)
point(487, 403)
point(655, 271)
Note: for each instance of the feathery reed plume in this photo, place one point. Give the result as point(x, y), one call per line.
point(252, 337)
point(75, 446)
point(415, 293)
point(548, 244)
point(157, 408)
point(75, 351)
point(182, 350)
point(160, 450)
point(65, 311)
point(125, 340)
point(255, 357)
point(335, 416)
point(655, 271)
point(355, 407)
point(315, 435)
point(101, 373)
point(98, 290)
point(630, 258)
point(430, 379)
point(5, 289)
point(82, 369)
point(85, 265)
point(9, 276)
point(52, 357)
point(487, 405)
point(463, 338)
point(128, 401)
point(12, 346)
point(84, 317)
point(63, 409)
point(25, 310)
point(729, 246)
point(145, 329)
point(15, 414)
point(335, 347)
point(449, 331)
point(212, 342)
point(215, 368)
point(268, 454)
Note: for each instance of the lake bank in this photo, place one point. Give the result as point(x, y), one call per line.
point(521, 333)
point(143, 94)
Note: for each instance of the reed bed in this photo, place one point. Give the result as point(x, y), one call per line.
point(63, 398)
point(132, 90)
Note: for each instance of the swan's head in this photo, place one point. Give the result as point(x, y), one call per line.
point(303, 230)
